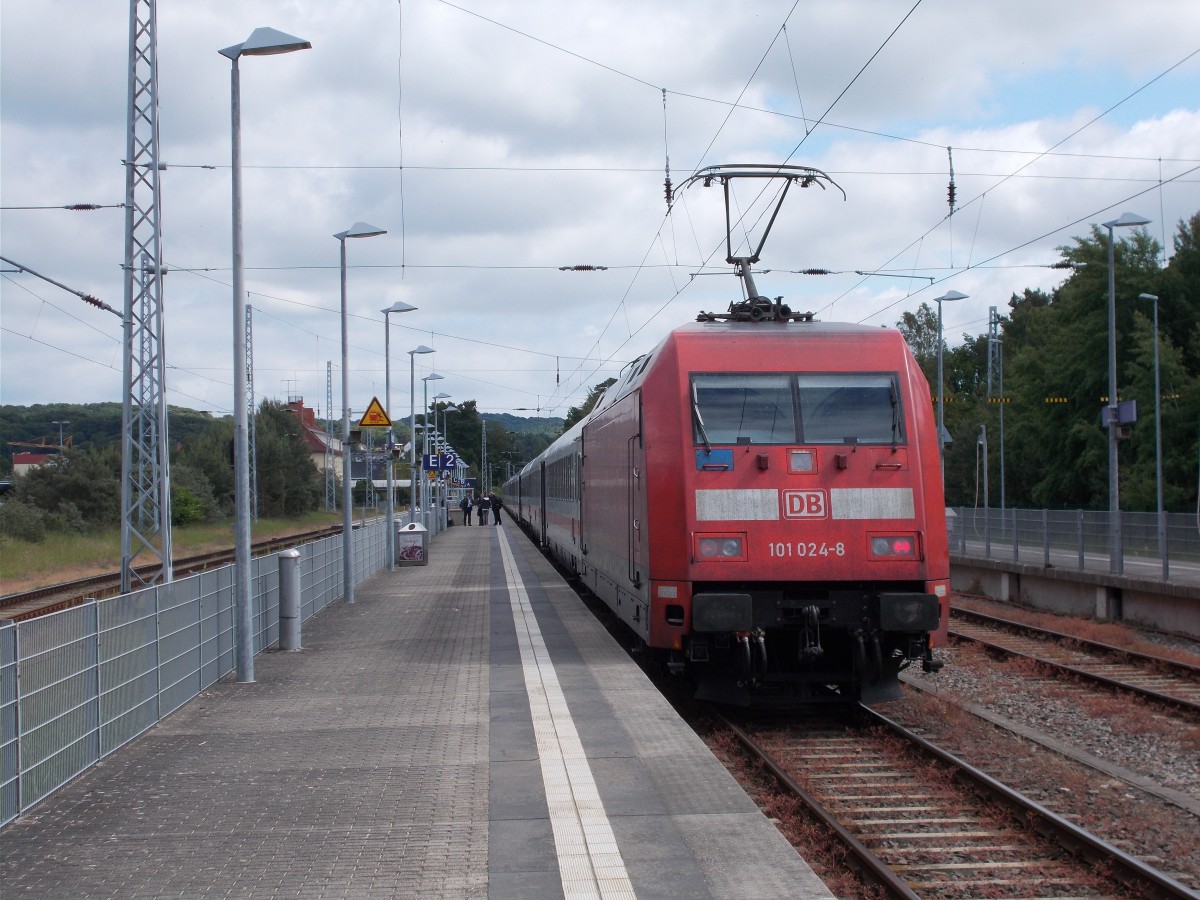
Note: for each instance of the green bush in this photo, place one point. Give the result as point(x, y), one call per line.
point(66, 517)
point(186, 507)
point(22, 522)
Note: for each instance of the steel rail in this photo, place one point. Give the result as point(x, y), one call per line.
point(875, 867)
point(1129, 870)
point(1183, 670)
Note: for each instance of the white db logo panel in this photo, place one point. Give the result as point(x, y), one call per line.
point(804, 505)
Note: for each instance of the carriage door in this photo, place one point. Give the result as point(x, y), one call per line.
point(542, 504)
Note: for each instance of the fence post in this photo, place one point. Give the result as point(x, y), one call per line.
point(1079, 532)
point(1046, 538)
point(289, 600)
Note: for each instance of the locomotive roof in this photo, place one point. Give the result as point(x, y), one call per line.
point(790, 329)
point(692, 332)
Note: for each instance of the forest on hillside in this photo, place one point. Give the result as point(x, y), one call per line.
point(1053, 381)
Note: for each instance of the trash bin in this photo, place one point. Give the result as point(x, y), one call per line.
point(412, 545)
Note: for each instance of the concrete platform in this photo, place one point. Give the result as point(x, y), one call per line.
point(465, 729)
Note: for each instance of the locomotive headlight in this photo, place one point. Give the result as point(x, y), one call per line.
point(894, 546)
point(721, 547)
point(801, 461)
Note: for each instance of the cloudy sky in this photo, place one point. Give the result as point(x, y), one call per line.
point(497, 142)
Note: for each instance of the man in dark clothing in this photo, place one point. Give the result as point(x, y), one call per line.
point(483, 506)
point(465, 506)
point(496, 507)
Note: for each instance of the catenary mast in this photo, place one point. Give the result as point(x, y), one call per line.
point(145, 473)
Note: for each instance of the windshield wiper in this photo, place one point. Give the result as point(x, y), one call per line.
point(895, 415)
point(699, 421)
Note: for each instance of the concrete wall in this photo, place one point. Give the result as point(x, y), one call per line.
point(1166, 606)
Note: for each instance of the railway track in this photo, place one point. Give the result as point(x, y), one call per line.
point(1165, 681)
point(51, 598)
point(923, 823)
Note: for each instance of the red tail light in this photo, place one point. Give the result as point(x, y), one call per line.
point(894, 546)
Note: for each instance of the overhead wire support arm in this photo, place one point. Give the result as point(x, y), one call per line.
point(86, 298)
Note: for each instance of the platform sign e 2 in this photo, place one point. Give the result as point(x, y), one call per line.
point(804, 504)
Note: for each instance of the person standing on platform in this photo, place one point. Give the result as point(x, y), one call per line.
point(465, 506)
point(496, 507)
point(483, 506)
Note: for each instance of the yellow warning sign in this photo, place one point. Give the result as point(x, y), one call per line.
point(375, 417)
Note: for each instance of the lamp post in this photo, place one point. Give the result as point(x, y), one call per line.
point(397, 307)
point(432, 376)
point(947, 297)
point(61, 423)
point(412, 427)
point(262, 42)
point(1158, 475)
point(357, 230)
point(1116, 554)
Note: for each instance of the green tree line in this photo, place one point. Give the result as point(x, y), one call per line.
point(1054, 355)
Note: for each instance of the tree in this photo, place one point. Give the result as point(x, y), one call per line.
point(920, 330)
point(81, 487)
point(289, 484)
point(576, 413)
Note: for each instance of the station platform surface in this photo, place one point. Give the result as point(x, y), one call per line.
point(466, 729)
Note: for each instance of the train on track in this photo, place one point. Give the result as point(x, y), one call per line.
point(759, 499)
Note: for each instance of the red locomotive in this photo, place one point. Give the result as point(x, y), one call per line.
point(760, 499)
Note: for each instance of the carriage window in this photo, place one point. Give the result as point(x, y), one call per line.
point(850, 408)
point(754, 408)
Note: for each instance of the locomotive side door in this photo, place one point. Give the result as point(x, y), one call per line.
point(636, 513)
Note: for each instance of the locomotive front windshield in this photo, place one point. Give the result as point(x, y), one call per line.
point(825, 408)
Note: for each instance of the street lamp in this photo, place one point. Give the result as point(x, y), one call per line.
point(397, 307)
point(412, 427)
point(1116, 554)
point(947, 297)
point(1158, 476)
point(63, 422)
point(357, 230)
point(262, 42)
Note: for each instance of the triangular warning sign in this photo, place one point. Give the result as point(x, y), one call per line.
point(375, 417)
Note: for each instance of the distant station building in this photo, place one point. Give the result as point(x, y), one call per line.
point(23, 462)
point(322, 447)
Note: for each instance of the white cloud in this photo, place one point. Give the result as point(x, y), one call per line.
point(524, 154)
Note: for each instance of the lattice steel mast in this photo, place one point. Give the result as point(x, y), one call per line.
point(145, 470)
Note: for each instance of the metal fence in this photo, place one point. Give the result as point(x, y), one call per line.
point(1079, 539)
point(78, 684)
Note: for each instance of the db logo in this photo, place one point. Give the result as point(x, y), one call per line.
point(804, 504)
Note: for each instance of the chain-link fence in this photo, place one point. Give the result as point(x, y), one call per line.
point(78, 684)
point(1080, 539)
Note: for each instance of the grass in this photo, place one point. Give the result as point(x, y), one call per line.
point(66, 557)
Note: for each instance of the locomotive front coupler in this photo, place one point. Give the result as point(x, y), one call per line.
point(929, 664)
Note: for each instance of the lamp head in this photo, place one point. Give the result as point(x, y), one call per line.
point(1126, 220)
point(1153, 297)
point(950, 296)
point(420, 348)
point(398, 307)
point(360, 230)
point(266, 42)
point(433, 376)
